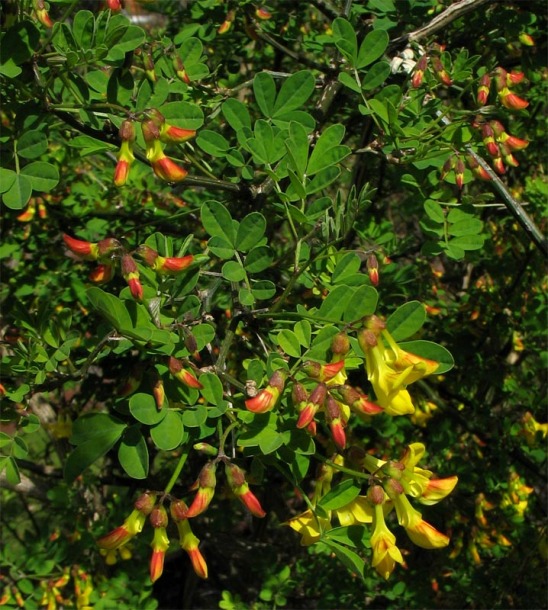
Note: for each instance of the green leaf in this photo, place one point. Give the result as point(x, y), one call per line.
point(236, 114)
point(90, 425)
point(250, 231)
point(133, 453)
point(372, 47)
point(351, 535)
point(329, 139)
point(83, 26)
point(91, 450)
point(194, 417)
point(233, 271)
point(345, 39)
point(294, 92)
point(32, 144)
point(323, 179)
point(297, 149)
point(43, 176)
point(289, 342)
point(143, 408)
point(217, 221)
point(353, 562)
point(264, 89)
point(362, 303)
point(132, 38)
point(258, 259)
point(434, 211)
point(469, 226)
point(340, 495)
point(263, 290)
point(246, 298)
point(204, 334)
point(183, 114)
point(349, 81)
point(406, 320)
point(376, 75)
point(120, 87)
point(348, 265)
point(7, 178)
point(212, 143)
point(432, 351)
point(303, 332)
point(220, 247)
point(109, 307)
point(12, 471)
point(19, 42)
point(18, 195)
point(213, 388)
point(468, 242)
point(169, 433)
point(335, 303)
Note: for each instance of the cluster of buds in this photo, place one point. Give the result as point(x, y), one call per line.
point(389, 369)
point(146, 506)
point(504, 81)
point(454, 165)
point(109, 252)
point(155, 132)
point(206, 483)
point(433, 61)
point(500, 145)
point(392, 483)
point(36, 204)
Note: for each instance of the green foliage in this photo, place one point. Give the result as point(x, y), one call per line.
point(247, 264)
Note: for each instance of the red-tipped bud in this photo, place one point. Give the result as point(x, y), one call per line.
point(358, 402)
point(183, 375)
point(170, 133)
point(514, 78)
point(227, 23)
point(180, 69)
point(83, 249)
point(477, 169)
point(206, 489)
point(441, 72)
point(526, 39)
point(373, 269)
point(178, 510)
point(29, 213)
point(459, 173)
point(513, 143)
point(499, 166)
point(236, 480)
point(483, 90)
point(323, 372)
point(114, 5)
point(42, 13)
point(336, 422)
point(158, 517)
point(189, 543)
point(131, 274)
point(500, 78)
point(316, 400)
point(511, 100)
point(160, 543)
point(489, 140)
point(418, 73)
point(148, 64)
point(166, 169)
point(262, 13)
point(151, 131)
point(159, 393)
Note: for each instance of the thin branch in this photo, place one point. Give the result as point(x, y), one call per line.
point(441, 21)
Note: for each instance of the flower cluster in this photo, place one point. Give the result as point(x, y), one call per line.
point(146, 506)
point(499, 145)
point(389, 369)
point(391, 484)
point(155, 131)
point(432, 60)
point(150, 506)
point(110, 254)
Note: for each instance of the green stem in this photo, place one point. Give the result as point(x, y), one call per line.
point(177, 471)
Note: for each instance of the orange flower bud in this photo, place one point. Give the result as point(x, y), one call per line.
point(514, 78)
point(511, 100)
point(206, 489)
point(262, 13)
point(316, 400)
point(373, 269)
point(526, 39)
point(236, 479)
point(29, 213)
point(114, 5)
point(483, 90)
point(499, 165)
point(84, 249)
point(418, 73)
point(170, 133)
point(42, 13)
point(131, 274)
point(489, 140)
point(227, 23)
point(336, 422)
point(159, 393)
point(164, 264)
point(459, 173)
point(180, 69)
point(441, 72)
point(183, 375)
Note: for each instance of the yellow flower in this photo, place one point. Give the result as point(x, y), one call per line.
point(309, 526)
point(419, 531)
point(383, 544)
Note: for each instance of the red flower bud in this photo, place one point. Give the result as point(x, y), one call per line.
point(42, 13)
point(483, 90)
point(441, 72)
point(262, 13)
point(206, 489)
point(418, 73)
point(373, 269)
point(183, 375)
point(511, 100)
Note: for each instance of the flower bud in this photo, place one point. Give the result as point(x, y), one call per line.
point(236, 480)
point(263, 14)
point(526, 39)
point(440, 71)
point(42, 13)
point(373, 269)
point(315, 401)
point(206, 489)
point(323, 372)
point(266, 399)
point(459, 173)
point(418, 72)
point(511, 100)
point(159, 393)
point(483, 90)
point(206, 449)
point(180, 69)
point(375, 494)
point(158, 517)
point(298, 394)
point(340, 344)
point(183, 375)
point(178, 510)
point(488, 136)
point(145, 503)
point(160, 542)
point(335, 421)
point(131, 274)
point(189, 543)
